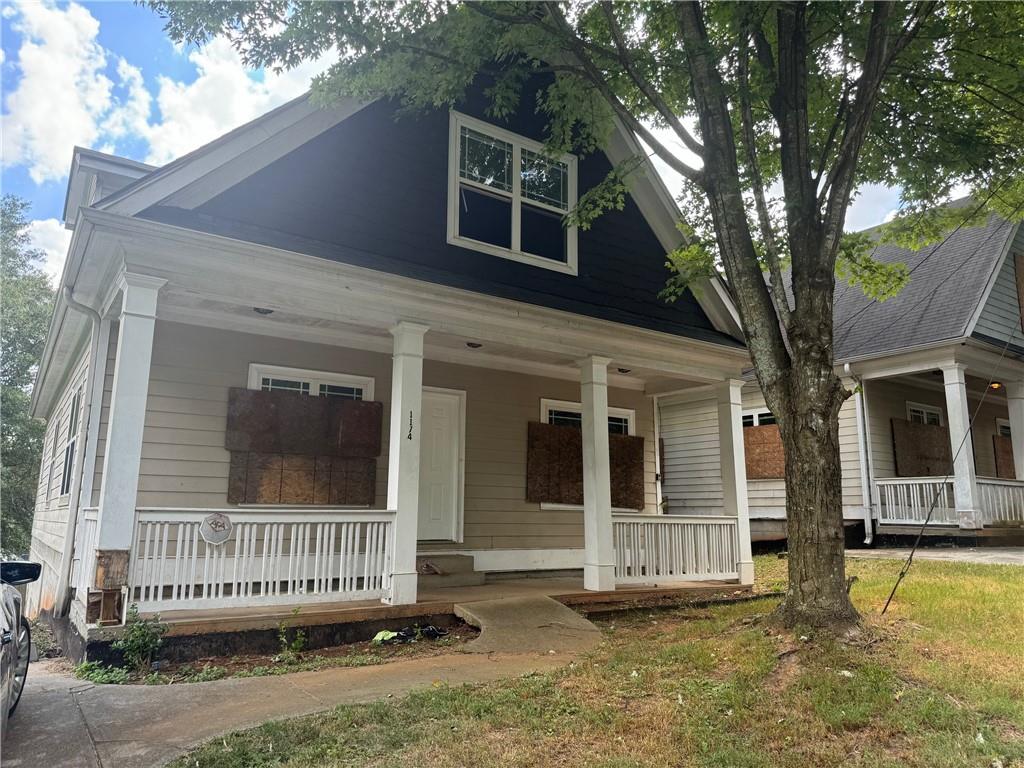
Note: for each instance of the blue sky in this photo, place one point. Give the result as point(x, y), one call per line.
point(104, 75)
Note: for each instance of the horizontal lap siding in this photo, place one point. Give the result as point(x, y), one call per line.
point(1000, 318)
point(888, 400)
point(693, 474)
point(50, 519)
point(185, 464)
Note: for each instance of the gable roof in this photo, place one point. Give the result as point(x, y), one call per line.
point(949, 283)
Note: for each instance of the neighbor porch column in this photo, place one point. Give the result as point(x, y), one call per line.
point(404, 456)
point(965, 481)
point(1015, 408)
point(599, 555)
point(119, 484)
point(734, 470)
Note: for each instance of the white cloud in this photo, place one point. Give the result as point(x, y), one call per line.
point(223, 96)
point(62, 93)
point(50, 236)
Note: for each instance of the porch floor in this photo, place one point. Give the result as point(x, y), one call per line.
point(433, 601)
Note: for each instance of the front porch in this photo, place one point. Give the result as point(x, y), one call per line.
point(945, 431)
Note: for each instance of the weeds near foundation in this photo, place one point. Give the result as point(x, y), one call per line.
point(102, 674)
point(141, 640)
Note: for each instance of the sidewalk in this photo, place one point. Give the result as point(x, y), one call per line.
point(982, 555)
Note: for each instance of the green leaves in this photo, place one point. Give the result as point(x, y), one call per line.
point(688, 265)
point(879, 280)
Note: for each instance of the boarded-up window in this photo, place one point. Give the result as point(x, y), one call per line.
point(554, 466)
point(921, 450)
point(1003, 448)
point(762, 448)
point(291, 448)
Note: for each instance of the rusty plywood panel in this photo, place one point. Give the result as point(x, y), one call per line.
point(1003, 448)
point(627, 471)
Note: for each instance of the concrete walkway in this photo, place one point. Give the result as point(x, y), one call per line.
point(983, 555)
point(527, 625)
point(62, 721)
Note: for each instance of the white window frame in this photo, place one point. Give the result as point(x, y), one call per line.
point(547, 405)
point(519, 143)
point(925, 408)
point(314, 378)
point(1000, 423)
point(71, 444)
point(757, 413)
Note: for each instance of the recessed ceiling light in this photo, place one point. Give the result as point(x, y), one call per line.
point(996, 385)
point(262, 311)
point(625, 370)
point(474, 344)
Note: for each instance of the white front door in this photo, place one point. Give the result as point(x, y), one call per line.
point(440, 465)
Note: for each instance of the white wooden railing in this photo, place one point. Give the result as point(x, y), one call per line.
point(83, 562)
point(906, 500)
point(662, 548)
point(271, 557)
point(1001, 501)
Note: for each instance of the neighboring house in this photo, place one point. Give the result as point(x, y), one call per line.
point(918, 365)
point(287, 364)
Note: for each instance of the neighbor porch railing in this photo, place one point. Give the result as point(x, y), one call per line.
point(663, 548)
point(271, 557)
point(1001, 501)
point(83, 562)
point(906, 501)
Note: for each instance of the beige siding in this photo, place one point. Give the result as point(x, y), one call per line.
point(887, 400)
point(693, 475)
point(49, 523)
point(1000, 318)
point(184, 463)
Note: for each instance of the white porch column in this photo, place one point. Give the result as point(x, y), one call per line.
point(404, 455)
point(1015, 406)
point(599, 555)
point(734, 470)
point(965, 485)
point(119, 484)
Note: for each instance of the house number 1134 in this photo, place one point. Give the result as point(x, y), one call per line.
point(409, 436)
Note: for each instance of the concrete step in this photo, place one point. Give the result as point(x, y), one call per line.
point(534, 624)
point(448, 571)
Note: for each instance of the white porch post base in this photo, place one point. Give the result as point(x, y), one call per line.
point(965, 481)
point(119, 484)
point(1015, 410)
point(599, 557)
point(404, 456)
point(734, 471)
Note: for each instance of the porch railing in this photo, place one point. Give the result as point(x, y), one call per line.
point(906, 500)
point(270, 557)
point(83, 562)
point(662, 548)
point(1001, 501)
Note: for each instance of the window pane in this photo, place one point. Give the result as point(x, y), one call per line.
point(618, 425)
point(545, 181)
point(66, 472)
point(566, 418)
point(485, 217)
point(932, 418)
point(765, 418)
point(270, 384)
point(748, 420)
point(485, 160)
point(543, 234)
point(1004, 430)
point(336, 390)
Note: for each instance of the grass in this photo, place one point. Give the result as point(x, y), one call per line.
point(937, 682)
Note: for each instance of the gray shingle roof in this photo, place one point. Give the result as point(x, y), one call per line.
point(945, 289)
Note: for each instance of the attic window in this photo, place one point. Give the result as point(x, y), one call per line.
point(507, 198)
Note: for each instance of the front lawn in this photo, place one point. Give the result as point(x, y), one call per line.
point(938, 681)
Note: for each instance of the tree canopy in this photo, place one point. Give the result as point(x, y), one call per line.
point(24, 318)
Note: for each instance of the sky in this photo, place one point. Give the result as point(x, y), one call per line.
point(104, 75)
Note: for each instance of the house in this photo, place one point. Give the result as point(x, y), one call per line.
point(297, 363)
point(919, 365)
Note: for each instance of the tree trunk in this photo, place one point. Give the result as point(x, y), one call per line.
point(810, 398)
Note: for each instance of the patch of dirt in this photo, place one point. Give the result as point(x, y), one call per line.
point(787, 669)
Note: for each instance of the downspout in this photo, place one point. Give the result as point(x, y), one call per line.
point(63, 597)
point(862, 455)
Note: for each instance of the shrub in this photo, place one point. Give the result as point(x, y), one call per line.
point(97, 672)
point(291, 644)
point(142, 638)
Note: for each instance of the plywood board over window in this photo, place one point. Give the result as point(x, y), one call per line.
point(1003, 448)
point(762, 448)
point(554, 466)
point(921, 450)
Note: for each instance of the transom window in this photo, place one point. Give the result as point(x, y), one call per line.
point(568, 414)
point(919, 413)
point(273, 378)
point(759, 418)
point(507, 198)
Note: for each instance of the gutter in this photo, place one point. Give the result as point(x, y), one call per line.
point(862, 455)
point(62, 601)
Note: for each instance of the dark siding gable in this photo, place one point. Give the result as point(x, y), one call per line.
point(373, 191)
